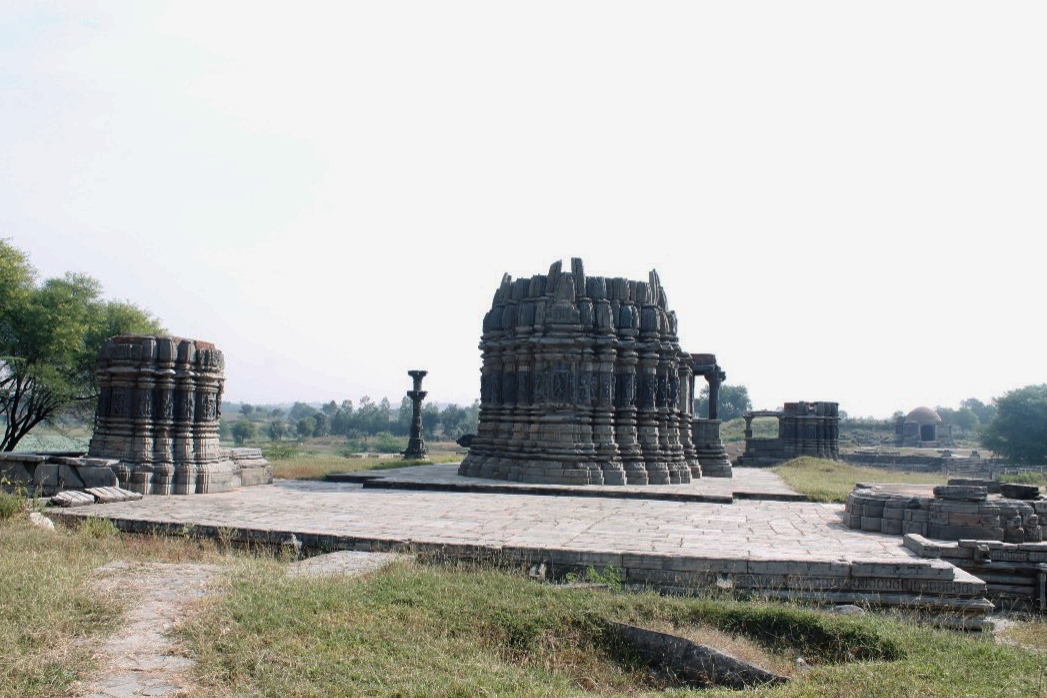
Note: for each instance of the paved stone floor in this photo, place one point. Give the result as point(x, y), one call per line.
point(744, 529)
point(746, 480)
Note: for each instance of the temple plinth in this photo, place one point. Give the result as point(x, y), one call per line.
point(415, 444)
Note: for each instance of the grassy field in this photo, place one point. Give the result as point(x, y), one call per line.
point(415, 630)
point(411, 630)
point(318, 457)
point(831, 481)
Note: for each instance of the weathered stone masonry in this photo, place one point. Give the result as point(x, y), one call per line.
point(158, 415)
point(583, 382)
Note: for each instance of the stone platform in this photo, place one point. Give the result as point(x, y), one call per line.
point(747, 483)
point(781, 549)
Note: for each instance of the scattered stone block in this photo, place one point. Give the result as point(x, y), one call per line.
point(72, 498)
point(1015, 491)
point(107, 495)
point(698, 665)
point(970, 493)
point(41, 521)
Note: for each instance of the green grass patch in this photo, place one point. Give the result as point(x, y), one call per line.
point(412, 630)
point(1026, 479)
point(831, 481)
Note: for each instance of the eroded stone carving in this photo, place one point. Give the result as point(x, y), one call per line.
point(583, 382)
point(158, 416)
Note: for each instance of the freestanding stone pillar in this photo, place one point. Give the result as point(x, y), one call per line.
point(415, 445)
point(583, 381)
point(711, 453)
point(158, 415)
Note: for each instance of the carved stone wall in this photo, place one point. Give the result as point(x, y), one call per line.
point(804, 429)
point(158, 415)
point(583, 382)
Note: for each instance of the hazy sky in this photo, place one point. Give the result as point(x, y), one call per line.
point(845, 201)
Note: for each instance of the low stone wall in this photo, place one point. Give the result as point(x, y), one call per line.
point(880, 509)
point(46, 474)
point(1015, 574)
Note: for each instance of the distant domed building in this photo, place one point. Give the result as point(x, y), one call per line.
point(922, 427)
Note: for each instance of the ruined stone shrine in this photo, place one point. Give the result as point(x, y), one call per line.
point(583, 382)
point(158, 415)
point(804, 429)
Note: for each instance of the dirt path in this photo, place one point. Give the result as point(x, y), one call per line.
point(141, 658)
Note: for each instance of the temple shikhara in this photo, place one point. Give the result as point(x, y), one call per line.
point(583, 381)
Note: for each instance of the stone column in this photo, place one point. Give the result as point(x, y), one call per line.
point(646, 403)
point(141, 479)
point(163, 417)
point(626, 370)
point(415, 445)
point(184, 420)
point(686, 425)
point(607, 456)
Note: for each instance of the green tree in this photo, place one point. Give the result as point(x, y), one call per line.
point(276, 413)
point(329, 408)
point(455, 421)
point(277, 429)
point(340, 423)
point(734, 402)
point(404, 415)
point(984, 412)
point(299, 410)
point(321, 425)
point(243, 430)
point(50, 334)
point(246, 410)
point(305, 426)
point(1018, 432)
point(430, 419)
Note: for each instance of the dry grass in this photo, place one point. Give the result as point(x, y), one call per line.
point(47, 609)
point(1028, 633)
point(831, 481)
point(315, 466)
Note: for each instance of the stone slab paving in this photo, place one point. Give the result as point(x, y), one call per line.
point(747, 483)
point(744, 529)
point(140, 658)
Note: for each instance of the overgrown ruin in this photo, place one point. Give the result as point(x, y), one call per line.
point(584, 382)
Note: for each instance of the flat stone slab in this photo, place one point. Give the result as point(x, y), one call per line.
point(747, 483)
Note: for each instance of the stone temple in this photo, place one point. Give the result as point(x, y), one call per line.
point(583, 382)
point(158, 413)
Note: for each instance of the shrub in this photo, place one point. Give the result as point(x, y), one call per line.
point(10, 505)
point(280, 450)
point(385, 442)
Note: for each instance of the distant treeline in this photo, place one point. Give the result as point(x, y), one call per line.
point(368, 418)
